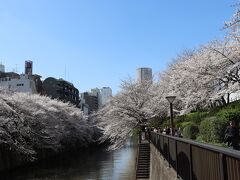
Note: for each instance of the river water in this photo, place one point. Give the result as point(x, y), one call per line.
point(87, 165)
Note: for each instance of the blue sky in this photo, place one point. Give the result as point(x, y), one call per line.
point(96, 43)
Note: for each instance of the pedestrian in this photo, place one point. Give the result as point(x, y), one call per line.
point(232, 135)
point(168, 130)
point(178, 132)
point(149, 135)
point(155, 130)
point(159, 130)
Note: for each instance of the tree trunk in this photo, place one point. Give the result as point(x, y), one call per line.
point(228, 98)
point(223, 101)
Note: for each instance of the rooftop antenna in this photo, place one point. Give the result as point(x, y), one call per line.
point(16, 65)
point(65, 71)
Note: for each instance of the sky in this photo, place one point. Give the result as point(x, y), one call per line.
point(98, 43)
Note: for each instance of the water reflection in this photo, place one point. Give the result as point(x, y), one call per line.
point(90, 165)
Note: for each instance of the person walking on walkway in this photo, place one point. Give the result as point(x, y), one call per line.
point(232, 135)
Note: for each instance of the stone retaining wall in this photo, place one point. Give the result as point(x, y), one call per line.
point(159, 168)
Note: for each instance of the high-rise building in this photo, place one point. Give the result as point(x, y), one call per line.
point(105, 95)
point(90, 100)
point(2, 68)
point(144, 74)
point(95, 91)
point(61, 89)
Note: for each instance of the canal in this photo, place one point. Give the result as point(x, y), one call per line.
point(87, 165)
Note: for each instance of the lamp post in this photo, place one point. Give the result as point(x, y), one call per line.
point(170, 100)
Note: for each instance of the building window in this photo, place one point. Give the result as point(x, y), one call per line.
point(20, 84)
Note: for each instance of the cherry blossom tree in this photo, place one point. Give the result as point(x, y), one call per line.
point(128, 109)
point(233, 25)
point(32, 126)
point(199, 78)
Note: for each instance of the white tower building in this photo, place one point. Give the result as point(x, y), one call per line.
point(144, 74)
point(106, 94)
point(24, 84)
point(103, 95)
point(95, 91)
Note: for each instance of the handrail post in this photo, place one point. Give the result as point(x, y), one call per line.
point(140, 137)
point(176, 151)
point(223, 166)
point(168, 154)
point(190, 162)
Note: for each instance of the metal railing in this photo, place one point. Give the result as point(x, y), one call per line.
point(198, 161)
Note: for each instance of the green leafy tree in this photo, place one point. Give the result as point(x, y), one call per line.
point(190, 131)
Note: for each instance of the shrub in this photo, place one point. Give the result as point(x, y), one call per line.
point(212, 129)
point(180, 118)
point(235, 104)
point(206, 128)
point(196, 117)
point(190, 131)
point(229, 114)
point(182, 125)
point(165, 123)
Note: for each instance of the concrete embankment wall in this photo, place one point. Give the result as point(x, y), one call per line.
point(9, 159)
point(160, 169)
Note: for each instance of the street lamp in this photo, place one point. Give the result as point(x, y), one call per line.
point(170, 100)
